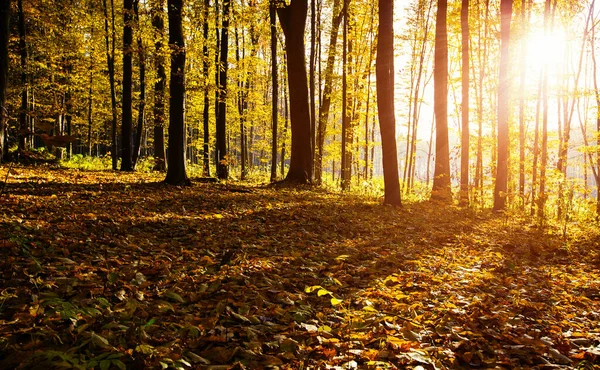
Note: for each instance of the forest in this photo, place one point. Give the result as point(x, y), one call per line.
point(299, 184)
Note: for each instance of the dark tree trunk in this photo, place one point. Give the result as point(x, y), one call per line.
point(500, 190)
point(142, 103)
point(4, 36)
point(205, 67)
point(90, 95)
point(311, 82)
point(110, 59)
point(127, 119)
point(286, 116)
point(441, 181)
point(522, 82)
point(345, 168)
point(275, 95)
point(176, 172)
point(292, 18)
point(159, 87)
point(385, 102)
point(464, 144)
point(25, 89)
point(327, 90)
point(221, 132)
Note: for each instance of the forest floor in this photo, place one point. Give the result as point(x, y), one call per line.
point(116, 270)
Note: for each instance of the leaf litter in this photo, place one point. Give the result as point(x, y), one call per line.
point(110, 270)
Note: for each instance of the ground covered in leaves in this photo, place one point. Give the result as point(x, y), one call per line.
point(109, 270)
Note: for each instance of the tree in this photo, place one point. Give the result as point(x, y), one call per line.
point(385, 102)
point(139, 132)
point(441, 181)
point(110, 60)
point(24, 88)
point(4, 36)
point(127, 119)
point(327, 90)
point(221, 131)
point(275, 82)
point(292, 18)
point(159, 86)
point(176, 172)
point(464, 144)
point(205, 114)
point(500, 188)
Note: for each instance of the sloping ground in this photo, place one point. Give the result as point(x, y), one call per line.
point(104, 270)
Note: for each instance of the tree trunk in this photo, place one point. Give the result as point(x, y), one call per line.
point(441, 180)
point(24, 87)
point(127, 118)
point(275, 94)
point(500, 189)
point(327, 90)
point(4, 36)
point(548, 24)
point(205, 116)
point(385, 102)
point(176, 172)
point(286, 115)
point(311, 82)
point(142, 103)
point(522, 82)
point(159, 87)
point(221, 132)
point(345, 168)
point(110, 60)
point(292, 18)
point(464, 144)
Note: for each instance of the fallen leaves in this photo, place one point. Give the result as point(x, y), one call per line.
point(111, 270)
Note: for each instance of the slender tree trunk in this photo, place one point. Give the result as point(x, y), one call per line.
point(327, 90)
point(24, 87)
point(544, 160)
point(4, 37)
point(142, 103)
point(464, 154)
point(176, 171)
point(221, 132)
point(159, 87)
point(275, 94)
point(311, 81)
point(522, 82)
point(285, 128)
point(500, 190)
point(242, 109)
point(292, 18)
point(110, 60)
point(127, 118)
point(595, 164)
point(441, 181)
point(205, 117)
point(345, 166)
point(385, 102)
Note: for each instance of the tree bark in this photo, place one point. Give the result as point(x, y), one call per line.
point(176, 171)
point(205, 115)
point(441, 181)
point(464, 145)
point(275, 94)
point(142, 103)
point(25, 88)
point(4, 37)
point(385, 102)
point(110, 61)
point(327, 91)
point(500, 189)
point(127, 118)
point(292, 18)
point(159, 87)
point(221, 130)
